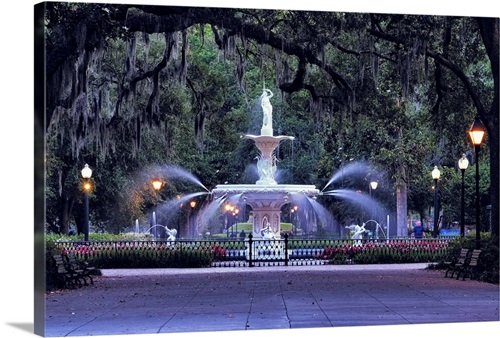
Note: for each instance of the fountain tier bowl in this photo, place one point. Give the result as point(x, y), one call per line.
point(261, 191)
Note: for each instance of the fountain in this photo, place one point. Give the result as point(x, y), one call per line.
point(266, 196)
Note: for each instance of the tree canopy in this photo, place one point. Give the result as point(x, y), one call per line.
point(130, 86)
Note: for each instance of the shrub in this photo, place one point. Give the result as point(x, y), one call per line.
point(391, 251)
point(139, 254)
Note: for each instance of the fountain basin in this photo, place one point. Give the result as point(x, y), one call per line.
point(266, 202)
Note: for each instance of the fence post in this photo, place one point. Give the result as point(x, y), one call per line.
point(250, 245)
point(286, 249)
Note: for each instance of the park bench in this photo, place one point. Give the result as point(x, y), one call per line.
point(65, 275)
point(455, 264)
point(82, 268)
point(471, 266)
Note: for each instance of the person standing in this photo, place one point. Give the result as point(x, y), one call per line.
point(418, 230)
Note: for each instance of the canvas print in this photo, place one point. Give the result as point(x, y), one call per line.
point(221, 169)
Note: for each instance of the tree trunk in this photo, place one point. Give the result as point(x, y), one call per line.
point(64, 215)
point(80, 223)
point(402, 205)
point(490, 31)
point(494, 181)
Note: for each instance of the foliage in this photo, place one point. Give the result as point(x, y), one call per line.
point(389, 252)
point(125, 93)
point(238, 227)
point(450, 185)
point(105, 236)
point(141, 254)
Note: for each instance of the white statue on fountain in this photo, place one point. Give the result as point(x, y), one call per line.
point(267, 168)
point(172, 233)
point(267, 232)
point(358, 231)
point(267, 111)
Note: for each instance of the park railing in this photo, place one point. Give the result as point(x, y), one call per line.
point(250, 252)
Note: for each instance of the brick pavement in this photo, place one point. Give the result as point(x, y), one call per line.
point(170, 301)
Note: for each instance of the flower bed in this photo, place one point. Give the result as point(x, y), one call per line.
point(391, 251)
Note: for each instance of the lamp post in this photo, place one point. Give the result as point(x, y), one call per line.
point(476, 134)
point(227, 209)
point(435, 176)
point(235, 216)
point(192, 204)
point(157, 184)
point(294, 211)
point(373, 186)
point(179, 217)
point(463, 163)
point(86, 174)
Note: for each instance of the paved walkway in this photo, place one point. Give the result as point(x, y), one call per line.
point(169, 301)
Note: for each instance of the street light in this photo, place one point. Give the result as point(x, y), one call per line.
point(157, 184)
point(228, 208)
point(463, 163)
point(435, 176)
point(179, 217)
point(373, 186)
point(476, 134)
point(192, 204)
point(235, 216)
point(86, 174)
point(294, 211)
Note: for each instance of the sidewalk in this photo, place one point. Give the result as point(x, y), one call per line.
point(168, 301)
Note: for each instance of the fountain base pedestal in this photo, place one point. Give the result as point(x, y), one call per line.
point(266, 202)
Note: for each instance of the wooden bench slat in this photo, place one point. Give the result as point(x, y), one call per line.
point(454, 265)
point(471, 266)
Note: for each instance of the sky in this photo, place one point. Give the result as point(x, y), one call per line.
point(16, 167)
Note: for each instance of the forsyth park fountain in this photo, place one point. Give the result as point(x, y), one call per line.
point(266, 196)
